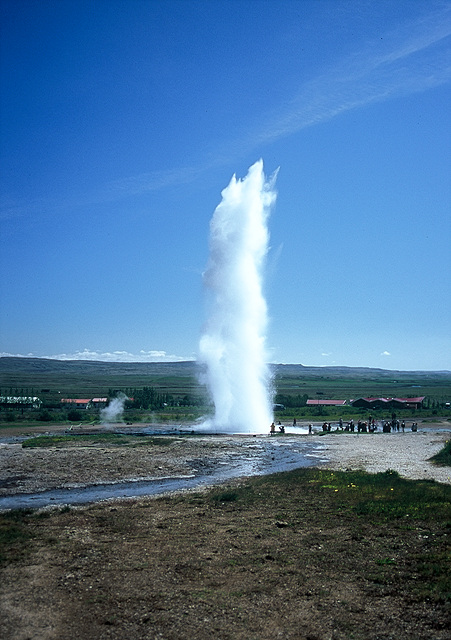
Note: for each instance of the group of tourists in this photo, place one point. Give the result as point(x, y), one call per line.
point(395, 425)
point(368, 426)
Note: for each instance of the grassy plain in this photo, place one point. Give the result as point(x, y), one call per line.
point(52, 380)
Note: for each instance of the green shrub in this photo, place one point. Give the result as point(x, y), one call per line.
point(45, 416)
point(443, 457)
point(74, 415)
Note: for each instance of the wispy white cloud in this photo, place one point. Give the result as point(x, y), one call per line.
point(411, 59)
point(385, 353)
point(153, 181)
point(108, 356)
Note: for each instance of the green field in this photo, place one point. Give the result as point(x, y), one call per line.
point(180, 396)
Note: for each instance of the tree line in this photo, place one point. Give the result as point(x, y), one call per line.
point(150, 399)
point(291, 401)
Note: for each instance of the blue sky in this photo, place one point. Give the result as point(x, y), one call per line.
point(122, 121)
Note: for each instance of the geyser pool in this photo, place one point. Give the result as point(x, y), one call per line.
point(233, 344)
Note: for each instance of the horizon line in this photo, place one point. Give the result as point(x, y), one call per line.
point(181, 360)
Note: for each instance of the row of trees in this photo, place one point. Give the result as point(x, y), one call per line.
point(149, 398)
point(291, 401)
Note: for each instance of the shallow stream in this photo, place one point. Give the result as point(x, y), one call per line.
point(269, 455)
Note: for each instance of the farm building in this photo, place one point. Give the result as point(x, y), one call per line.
point(98, 403)
point(77, 403)
point(388, 403)
point(86, 403)
point(325, 403)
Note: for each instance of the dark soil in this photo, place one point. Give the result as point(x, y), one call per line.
point(309, 555)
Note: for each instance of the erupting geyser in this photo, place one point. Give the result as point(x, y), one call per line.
point(233, 345)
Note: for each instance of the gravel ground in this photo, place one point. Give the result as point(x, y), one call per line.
point(407, 453)
point(32, 470)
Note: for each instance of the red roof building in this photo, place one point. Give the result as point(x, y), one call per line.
point(389, 403)
point(326, 403)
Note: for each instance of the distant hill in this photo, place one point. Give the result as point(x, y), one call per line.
point(16, 366)
point(353, 372)
point(13, 365)
point(54, 379)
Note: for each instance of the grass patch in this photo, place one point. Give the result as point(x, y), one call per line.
point(239, 496)
point(226, 496)
point(14, 534)
point(443, 457)
point(387, 496)
point(434, 571)
point(114, 439)
point(380, 497)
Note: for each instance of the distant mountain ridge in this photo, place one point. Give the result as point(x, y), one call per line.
point(17, 365)
point(12, 364)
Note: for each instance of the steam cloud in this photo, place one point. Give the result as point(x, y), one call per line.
point(233, 346)
point(113, 412)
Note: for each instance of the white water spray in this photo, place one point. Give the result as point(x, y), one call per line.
point(113, 412)
point(233, 345)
